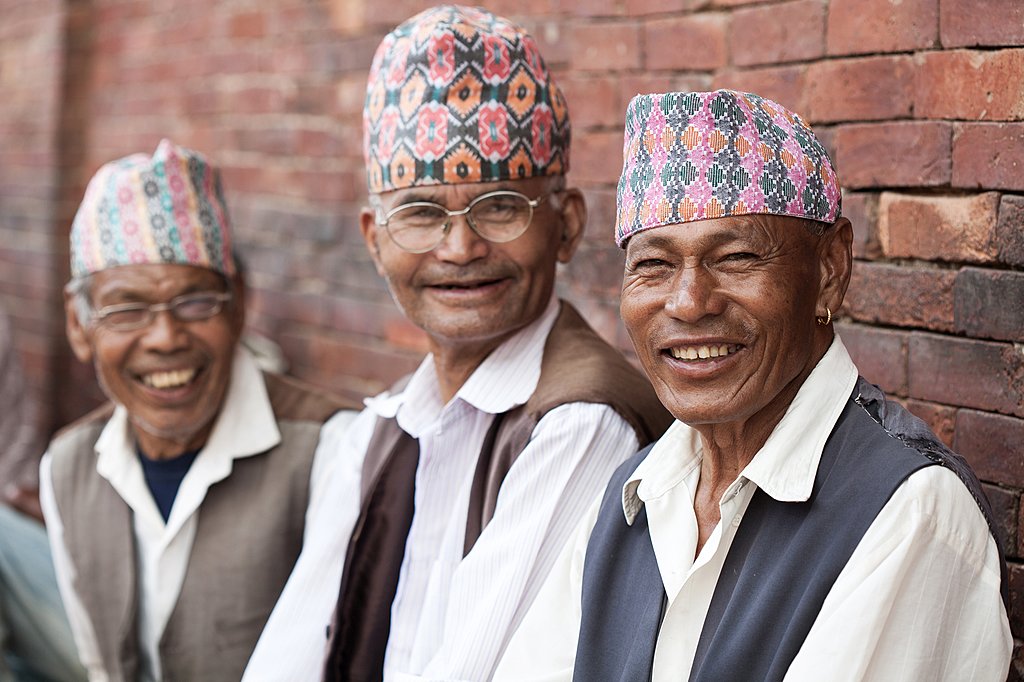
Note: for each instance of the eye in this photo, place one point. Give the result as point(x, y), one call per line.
point(740, 256)
point(649, 265)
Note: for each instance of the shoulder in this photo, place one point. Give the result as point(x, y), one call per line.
point(294, 399)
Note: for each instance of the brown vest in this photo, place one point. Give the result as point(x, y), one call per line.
point(578, 366)
point(248, 538)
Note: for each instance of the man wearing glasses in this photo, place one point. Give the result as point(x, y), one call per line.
point(454, 490)
point(176, 511)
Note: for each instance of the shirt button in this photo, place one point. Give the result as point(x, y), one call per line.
point(736, 520)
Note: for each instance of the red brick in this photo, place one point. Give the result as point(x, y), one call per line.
point(608, 46)
point(989, 155)
point(784, 32)
point(552, 36)
point(1005, 504)
point(248, 25)
point(687, 43)
point(866, 89)
point(893, 154)
point(597, 270)
point(880, 355)
point(994, 445)
point(600, 228)
point(939, 418)
point(1010, 231)
point(641, 7)
point(784, 84)
point(596, 158)
point(861, 208)
point(972, 85)
point(862, 26)
point(960, 229)
point(967, 373)
point(592, 8)
point(989, 304)
point(594, 101)
point(901, 296)
point(966, 23)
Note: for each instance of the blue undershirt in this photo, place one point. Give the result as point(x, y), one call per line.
point(163, 477)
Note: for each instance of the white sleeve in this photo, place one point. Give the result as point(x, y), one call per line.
point(294, 639)
point(572, 453)
point(78, 618)
point(919, 599)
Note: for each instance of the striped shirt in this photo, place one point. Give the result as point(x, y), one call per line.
point(452, 616)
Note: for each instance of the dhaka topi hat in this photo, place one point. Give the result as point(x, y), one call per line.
point(699, 155)
point(456, 95)
point(165, 208)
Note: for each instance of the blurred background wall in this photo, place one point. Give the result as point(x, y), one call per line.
point(921, 103)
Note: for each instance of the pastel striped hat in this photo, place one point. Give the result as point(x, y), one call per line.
point(457, 95)
point(699, 155)
point(168, 208)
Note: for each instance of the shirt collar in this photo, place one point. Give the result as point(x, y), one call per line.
point(784, 467)
point(245, 426)
point(505, 379)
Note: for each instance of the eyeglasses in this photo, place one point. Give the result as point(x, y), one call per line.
point(499, 216)
point(125, 317)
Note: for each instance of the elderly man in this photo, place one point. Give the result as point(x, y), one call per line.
point(792, 524)
point(456, 489)
point(176, 512)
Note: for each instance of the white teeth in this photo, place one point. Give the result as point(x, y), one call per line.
point(173, 379)
point(701, 352)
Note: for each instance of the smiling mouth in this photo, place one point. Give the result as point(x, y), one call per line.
point(703, 352)
point(465, 286)
point(169, 380)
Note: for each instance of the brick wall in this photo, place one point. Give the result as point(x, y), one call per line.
point(920, 102)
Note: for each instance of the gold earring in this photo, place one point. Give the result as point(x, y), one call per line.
point(823, 321)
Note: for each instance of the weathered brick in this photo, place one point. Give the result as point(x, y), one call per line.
point(1010, 231)
point(1005, 508)
point(862, 26)
point(989, 155)
point(689, 43)
point(880, 355)
point(994, 445)
point(966, 23)
point(863, 89)
point(968, 84)
point(967, 373)
point(597, 271)
point(901, 296)
point(596, 158)
point(861, 208)
point(641, 7)
point(958, 228)
point(777, 33)
point(784, 84)
point(989, 304)
point(247, 25)
point(607, 46)
point(893, 154)
point(1016, 575)
point(600, 228)
point(594, 101)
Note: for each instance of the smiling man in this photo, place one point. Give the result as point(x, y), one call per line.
point(176, 511)
point(456, 489)
point(793, 523)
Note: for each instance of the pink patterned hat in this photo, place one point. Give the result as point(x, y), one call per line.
point(457, 94)
point(168, 208)
point(699, 155)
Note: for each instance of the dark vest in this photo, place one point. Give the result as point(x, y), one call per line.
point(248, 537)
point(782, 564)
point(577, 366)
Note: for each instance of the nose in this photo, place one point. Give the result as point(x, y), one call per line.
point(165, 334)
point(694, 295)
point(461, 244)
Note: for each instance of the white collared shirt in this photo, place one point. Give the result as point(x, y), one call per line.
point(245, 426)
point(918, 600)
point(452, 617)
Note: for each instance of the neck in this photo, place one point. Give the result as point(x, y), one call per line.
point(454, 364)
point(158, 448)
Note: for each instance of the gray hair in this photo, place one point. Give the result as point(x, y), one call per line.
point(80, 290)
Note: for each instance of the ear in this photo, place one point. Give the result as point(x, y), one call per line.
point(368, 226)
point(835, 265)
point(79, 334)
point(238, 307)
point(574, 221)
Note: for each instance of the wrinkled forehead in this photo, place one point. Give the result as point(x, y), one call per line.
point(152, 281)
point(458, 196)
point(763, 230)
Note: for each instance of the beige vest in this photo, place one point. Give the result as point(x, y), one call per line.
point(247, 540)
